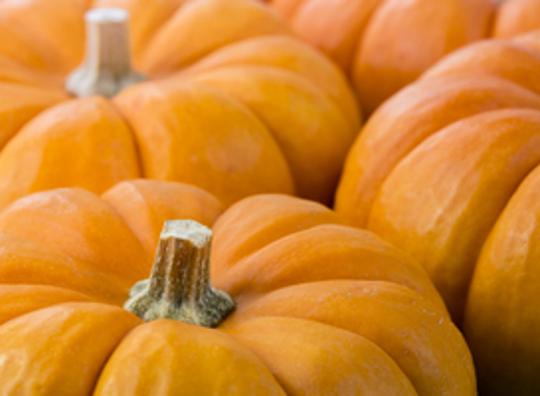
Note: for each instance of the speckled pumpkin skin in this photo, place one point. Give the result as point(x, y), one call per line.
point(216, 112)
point(321, 308)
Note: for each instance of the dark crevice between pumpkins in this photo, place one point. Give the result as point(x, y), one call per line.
point(106, 69)
point(179, 286)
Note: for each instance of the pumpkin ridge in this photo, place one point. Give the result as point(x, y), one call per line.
point(318, 301)
point(256, 221)
point(32, 37)
point(339, 49)
point(19, 74)
point(39, 107)
point(136, 145)
point(200, 361)
point(104, 295)
point(24, 292)
point(521, 96)
point(76, 229)
point(308, 82)
point(212, 62)
point(294, 10)
point(465, 63)
point(131, 198)
point(59, 319)
point(521, 43)
point(492, 229)
point(245, 106)
point(296, 338)
point(312, 179)
point(499, 319)
point(277, 71)
point(155, 66)
point(455, 293)
point(261, 272)
point(359, 41)
point(345, 283)
point(179, 111)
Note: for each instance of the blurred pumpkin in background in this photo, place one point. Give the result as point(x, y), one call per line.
point(386, 44)
point(448, 170)
point(302, 304)
point(234, 105)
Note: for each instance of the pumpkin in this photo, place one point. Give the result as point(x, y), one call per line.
point(299, 304)
point(230, 102)
point(447, 170)
point(386, 44)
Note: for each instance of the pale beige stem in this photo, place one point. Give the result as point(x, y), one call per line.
point(107, 66)
point(179, 287)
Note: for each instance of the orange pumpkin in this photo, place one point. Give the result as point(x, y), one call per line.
point(319, 308)
point(386, 44)
point(235, 105)
point(447, 170)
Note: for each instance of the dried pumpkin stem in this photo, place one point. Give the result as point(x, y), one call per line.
point(179, 287)
point(107, 66)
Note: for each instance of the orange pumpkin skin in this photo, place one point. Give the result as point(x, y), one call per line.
point(447, 170)
point(387, 44)
point(216, 111)
point(322, 308)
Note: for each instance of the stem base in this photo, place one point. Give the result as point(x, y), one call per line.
point(179, 287)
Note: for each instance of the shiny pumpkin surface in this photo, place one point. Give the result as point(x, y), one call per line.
point(447, 170)
point(322, 308)
point(386, 44)
point(215, 112)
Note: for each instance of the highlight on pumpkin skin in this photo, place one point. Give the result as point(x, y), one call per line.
point(517, 17)
point(528, 41)
point(202, 117)
point(439, 171)
point(264, 256)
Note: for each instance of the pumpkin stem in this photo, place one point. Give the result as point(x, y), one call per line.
point(107, 66)
point(179, 287)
